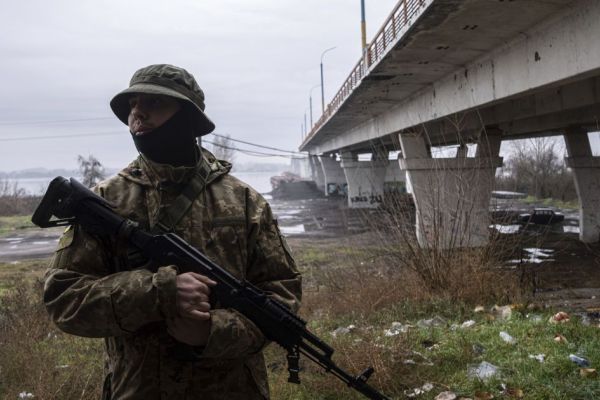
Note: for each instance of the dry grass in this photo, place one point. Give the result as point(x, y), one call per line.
point(37, 358)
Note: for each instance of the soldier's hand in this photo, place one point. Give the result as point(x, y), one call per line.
point(193, 291)
point(189, 331)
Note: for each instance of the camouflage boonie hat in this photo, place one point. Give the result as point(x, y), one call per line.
point(168, 80)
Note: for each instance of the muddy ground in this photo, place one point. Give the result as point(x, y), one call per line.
point(561, 270)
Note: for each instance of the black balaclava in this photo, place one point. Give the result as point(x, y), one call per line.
point(173, 143)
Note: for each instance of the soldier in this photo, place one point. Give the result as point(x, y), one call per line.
point(164, 339)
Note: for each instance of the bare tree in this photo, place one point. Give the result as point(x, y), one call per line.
point(223, 148)
point(91, 170)
point(536, 166)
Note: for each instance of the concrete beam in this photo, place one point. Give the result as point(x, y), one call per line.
point(556, 53)
point(586, 173)
point(317, 171)
point(334, 177)
point(365, 180)
point(451, 195)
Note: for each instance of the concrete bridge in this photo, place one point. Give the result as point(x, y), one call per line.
point(464, 72)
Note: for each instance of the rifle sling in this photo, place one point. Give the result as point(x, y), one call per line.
point(170, 216)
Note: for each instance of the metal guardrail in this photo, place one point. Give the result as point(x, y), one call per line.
point(400, 17)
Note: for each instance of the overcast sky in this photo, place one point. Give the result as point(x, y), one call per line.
point(255, 60)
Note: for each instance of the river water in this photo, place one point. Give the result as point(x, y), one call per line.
point(260, 181)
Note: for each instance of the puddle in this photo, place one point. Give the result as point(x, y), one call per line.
point(292, 230)
point(507, 229)
point(14, 239)
point(570, 229)
point(40, 243)
point(287, 217)
point(535, 256)
point(14, 246)
point(293, 212)
point(267, 197)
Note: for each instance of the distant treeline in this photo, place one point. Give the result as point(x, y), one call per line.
point(45, 173)
point(15, 201)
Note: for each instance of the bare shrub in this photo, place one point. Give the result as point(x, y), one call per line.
point(444, 245)
point(14, 200)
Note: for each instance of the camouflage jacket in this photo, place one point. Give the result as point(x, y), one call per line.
point(92, 289)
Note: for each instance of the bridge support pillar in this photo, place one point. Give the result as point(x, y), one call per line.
point(365, 179)
point(317, 171)
point(395, 178)
point(586, 172)
point(451, 195)
point(334, 178)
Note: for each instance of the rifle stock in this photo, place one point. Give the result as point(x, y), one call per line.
point(73, 203)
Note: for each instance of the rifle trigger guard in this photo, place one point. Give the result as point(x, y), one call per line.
point(293, 356)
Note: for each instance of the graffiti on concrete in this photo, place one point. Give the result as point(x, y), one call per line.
point(367, 199)
point(336, 189)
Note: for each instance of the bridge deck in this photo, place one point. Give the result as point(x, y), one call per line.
point(423, 42)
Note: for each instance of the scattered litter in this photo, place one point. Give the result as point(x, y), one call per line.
point(446, 396)
point(468, 324)
point(483, 396)
point(588, 372)
point(558, 338)
point(560, 317)
point(535, 318)
point(539, 357)
point(396, 329)
point(582, 362)
point(433, 322)
point(343, 330)
point(511, 392)
point(482, 371)
point(428, 387)
point(479, 309)
point(26, 395)
point(424, 360)
point(585, 319)
point(409, 362)
point(478, 349)
point(507, 338)
point(502, 312)
point(63, 366)
point(432, 348)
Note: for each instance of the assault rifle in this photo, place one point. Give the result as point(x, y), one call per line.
point(70, 202)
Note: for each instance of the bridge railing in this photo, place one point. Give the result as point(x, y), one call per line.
point(400, 17)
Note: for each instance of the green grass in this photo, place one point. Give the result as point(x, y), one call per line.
point(452, 354)
point(556, 378)
point(572, 204)
point(12, 224)
point(19, 272)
